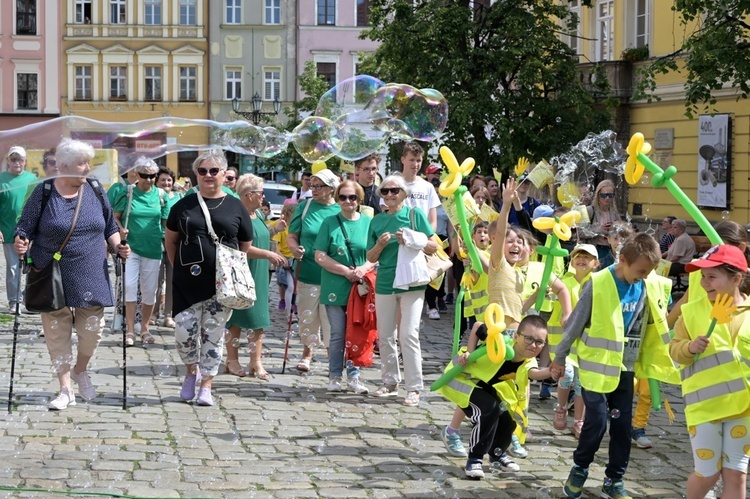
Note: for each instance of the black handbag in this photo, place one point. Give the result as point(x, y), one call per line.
point(44, 287)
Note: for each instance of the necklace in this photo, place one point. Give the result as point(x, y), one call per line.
point(220, 203)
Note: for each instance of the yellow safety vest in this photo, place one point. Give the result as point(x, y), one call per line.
point(653, 357)
point(695, 290)
point(715, 386)
point(477, 297)
point(554, 326)
point(534, 272)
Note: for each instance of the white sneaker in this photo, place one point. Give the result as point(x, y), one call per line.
point(358, 387)
point(62, 401)
point(335, 385)
point(85, 386)
point(433, 314)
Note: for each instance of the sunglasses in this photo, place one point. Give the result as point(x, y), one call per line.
point(50, 162)
point(390, 190)
point(351, 198)
point(213, 171)
point(147, 176)
point(230, 177)
point(606, 195)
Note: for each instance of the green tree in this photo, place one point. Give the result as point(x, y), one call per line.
point(510, 81)
point(715, 53)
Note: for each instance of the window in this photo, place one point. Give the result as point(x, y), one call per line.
point(273, 12)
point(363, 12)
point(187, 12)
point(327, 70)
point(327, 12)
point(271, 84)
point(153, 83)
point(575, 8)
point(641, 23)
point(153, 12)
point(117, 12)
point(234, 84)
point(83, 11)
point(26, 17)
point(187, 83)
point(234, 11)
point(118, 83)
point(27, 90)
point(605, 30)
point(83, 82)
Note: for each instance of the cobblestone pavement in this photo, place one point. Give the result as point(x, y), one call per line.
point(286, 437)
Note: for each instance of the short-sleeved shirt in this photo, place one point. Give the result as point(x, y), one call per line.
point(335, 288)
point(422, 196)
point(388, 260)
point(682, 247)
point(505, 285)
point(12, 196)
point(307, 229)
point(280, 239)
point(144, 221)
point(194, 274)
point(630, 295)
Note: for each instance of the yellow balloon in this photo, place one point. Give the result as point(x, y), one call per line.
point(495, 321)
point(568, 193)
point(318, 166)
point(562, 231)
point(449, 159)
point(466, 166)
point(544, 223)
point(450, 184)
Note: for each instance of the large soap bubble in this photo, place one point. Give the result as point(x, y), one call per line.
point(315, 138)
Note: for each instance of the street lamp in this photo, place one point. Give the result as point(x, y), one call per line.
point(255, 115)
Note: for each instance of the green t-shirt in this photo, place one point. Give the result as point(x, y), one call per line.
point(115, 191)
point(382, 223)
point(145, 230)
point(334, 288)
point(171, 199)
point(12, 196)
point(309, 272)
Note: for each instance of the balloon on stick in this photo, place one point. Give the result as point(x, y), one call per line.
point(561, 229)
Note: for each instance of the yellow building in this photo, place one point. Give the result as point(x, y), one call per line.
point(127, 61)
point(610, 27)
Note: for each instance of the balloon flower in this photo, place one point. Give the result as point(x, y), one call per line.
point(634, 167)
point(495, 348)
point(721, 313)
point(560, 230)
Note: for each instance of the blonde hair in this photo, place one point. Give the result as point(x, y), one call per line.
point(248, 182)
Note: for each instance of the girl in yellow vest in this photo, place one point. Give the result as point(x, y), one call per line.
point(607, 327)
point(477, 299)
point(714, 375)
point(493, 395)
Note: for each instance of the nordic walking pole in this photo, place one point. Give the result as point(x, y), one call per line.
point(291, 314)
point(121, 263)
point(16, 325)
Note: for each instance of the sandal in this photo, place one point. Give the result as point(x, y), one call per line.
point(234, 367)
point(129, 339)
point(304, 365)
point(147, 339)
point(259, 373)
point(169, 322)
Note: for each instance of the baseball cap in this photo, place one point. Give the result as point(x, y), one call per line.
point(720, 254)
point(586, 248)
point(16, 150)
point(327, 177)
point(433, 169)
point(542, 211)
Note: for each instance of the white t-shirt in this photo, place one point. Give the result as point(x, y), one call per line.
point(300, 195)
point(423, 196)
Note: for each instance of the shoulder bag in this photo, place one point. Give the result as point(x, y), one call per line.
point(438, 263)
point(44, 288)
point(235, 286)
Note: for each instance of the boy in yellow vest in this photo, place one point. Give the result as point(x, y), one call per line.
point(609, 320)
point(493, 395)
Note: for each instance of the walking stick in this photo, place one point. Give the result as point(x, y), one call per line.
point(16, 325)
point(291, 315)
point(121, 266)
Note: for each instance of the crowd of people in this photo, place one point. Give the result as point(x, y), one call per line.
point(602, 331)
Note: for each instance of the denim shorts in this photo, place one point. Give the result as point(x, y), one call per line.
point(570, 379)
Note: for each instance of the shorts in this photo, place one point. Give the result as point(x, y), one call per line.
point(720, 445)
point(570, 380)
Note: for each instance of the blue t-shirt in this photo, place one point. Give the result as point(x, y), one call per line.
point(629, 294)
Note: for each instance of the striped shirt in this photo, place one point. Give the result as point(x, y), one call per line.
point(505, 286)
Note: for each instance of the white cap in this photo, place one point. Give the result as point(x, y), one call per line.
point(16, 150)
point(587, 248)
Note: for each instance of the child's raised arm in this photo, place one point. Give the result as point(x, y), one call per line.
point(497, 250)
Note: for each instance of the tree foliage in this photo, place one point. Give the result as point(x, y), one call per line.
point(510, 81)
point(716, 53)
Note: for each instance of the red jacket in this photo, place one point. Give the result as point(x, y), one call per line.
point(361, 324)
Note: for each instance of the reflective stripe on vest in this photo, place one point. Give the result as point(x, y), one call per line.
point(708, 362)
point(596, 367)
point(713, 391)
point(460, 387)
point(611, 345)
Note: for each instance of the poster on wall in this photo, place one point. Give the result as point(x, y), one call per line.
point(714, 161)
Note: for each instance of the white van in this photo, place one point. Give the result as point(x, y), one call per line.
point(276, 194)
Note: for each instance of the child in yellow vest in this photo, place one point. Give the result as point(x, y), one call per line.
point(714, 373)
point(285, 274)
point(607, 327)
point(493, 395)
point(476, 298)
point(583, 261)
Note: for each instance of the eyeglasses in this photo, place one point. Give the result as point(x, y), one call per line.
point(230, 178)
point(50, 162)
point(147, 176)
point(16, 159)
point(530, 340)
point(390, 190)
point(315, 187)
point(351, 198)
point(605, 195)
point(254, 192)
point(213, 171)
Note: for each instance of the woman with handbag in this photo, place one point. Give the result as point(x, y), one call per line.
point(197, 226)
point(385, 236)
point(68, 219)
point(141, 210)
point(341, 248)
point(250, 189)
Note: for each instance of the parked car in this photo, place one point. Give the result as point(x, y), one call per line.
point(276, 194)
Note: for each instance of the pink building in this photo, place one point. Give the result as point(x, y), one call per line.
point(328, 33)
point(30, 55)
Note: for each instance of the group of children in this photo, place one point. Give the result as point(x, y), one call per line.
point(607, 333)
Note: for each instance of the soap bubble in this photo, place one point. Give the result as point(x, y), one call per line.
point(235, 342)
point(314, 291)
point(252, 346)
point(544, 493)
point(341, 251)
point(195, 270)
point(433, 430)
point(315, 139)
point(321, 257)
point(332, 297)
point(307, 317)
point(495, 467)
point(439, 476)
point(614, 413)
point(88, 296)
point(349, 364)
point(408, 113)
point(498, 451)
point(165, 369)
point(93, 324)
point(54, 325)
point(725, 215)
point(355, 348)
point(348, 344)
point(210, 323)
point(311, 399)
point(392, 358)
point(371, 307)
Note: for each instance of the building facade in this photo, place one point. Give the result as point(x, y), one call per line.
point(30, 86)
